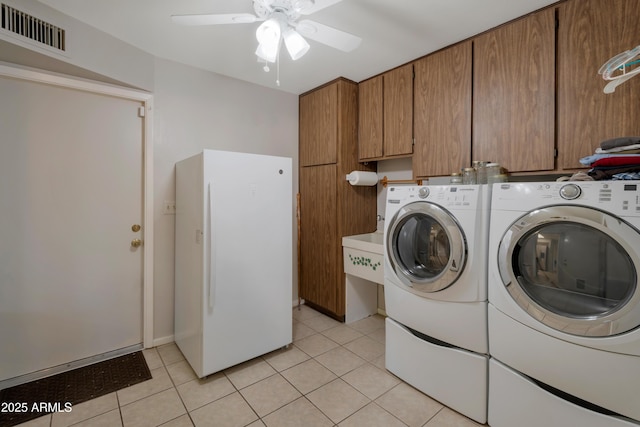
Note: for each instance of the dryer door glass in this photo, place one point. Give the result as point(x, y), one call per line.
point(574, 269)
point(427, 247)
point(423, 247)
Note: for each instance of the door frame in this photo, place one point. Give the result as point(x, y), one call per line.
point(146, 99)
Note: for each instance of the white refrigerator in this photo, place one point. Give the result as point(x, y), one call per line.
point(233, 259)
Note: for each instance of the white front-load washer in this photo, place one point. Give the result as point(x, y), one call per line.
point(564, 298)
point(435, 245)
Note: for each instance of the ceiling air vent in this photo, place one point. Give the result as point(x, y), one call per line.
point(31, 27)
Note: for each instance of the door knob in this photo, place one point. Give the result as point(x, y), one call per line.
point(135, 228)
point(136, 243)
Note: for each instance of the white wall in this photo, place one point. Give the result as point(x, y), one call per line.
point(196, 109)
point(400, 169)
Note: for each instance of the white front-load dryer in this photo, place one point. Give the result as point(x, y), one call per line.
point(564, 292)
point(435, 245)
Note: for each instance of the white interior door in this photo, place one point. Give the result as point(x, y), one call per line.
point(71, 188)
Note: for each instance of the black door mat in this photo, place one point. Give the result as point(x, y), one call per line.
point(59, 393)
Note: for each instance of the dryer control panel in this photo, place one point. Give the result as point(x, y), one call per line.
point(618, 197)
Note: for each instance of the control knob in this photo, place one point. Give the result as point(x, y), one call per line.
point(570, 192)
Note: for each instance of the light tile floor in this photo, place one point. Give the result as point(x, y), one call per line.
point(332, 375)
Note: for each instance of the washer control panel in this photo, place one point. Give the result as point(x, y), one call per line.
point(452, 196)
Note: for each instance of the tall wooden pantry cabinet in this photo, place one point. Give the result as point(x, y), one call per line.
point(330, 207)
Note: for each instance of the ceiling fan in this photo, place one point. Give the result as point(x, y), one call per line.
point(281, 24)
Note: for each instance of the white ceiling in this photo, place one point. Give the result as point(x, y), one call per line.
point(393, 31)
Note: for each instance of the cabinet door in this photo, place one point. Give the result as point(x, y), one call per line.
point(319, 236)
point(590, 32)
point(442, 109)
point(398, 111)
point(318, 126)
point(370, 119)
point(514, 94)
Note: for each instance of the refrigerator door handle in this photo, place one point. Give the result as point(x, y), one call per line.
point(212, 248)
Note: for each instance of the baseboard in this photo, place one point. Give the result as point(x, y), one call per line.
point(163, 340)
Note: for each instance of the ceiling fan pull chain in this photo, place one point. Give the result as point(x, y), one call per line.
point(278, 69)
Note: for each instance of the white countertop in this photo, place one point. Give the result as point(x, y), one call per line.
point(370, 242)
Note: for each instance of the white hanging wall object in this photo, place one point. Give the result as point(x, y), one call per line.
point(620, 68)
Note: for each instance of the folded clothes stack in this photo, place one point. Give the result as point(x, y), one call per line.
point(616, 159)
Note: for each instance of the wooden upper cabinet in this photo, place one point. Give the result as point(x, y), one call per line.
point(385, 114)
point(442, 111)
point(514, 94)
point(318, 113)
point(370, 117)
point(398, 111)
point(590, 32)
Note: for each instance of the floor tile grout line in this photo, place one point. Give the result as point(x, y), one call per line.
point(247, 402)
point(379, 406)
point(299, 391)
point(284, 378)
point(173, 385)
point(340, 346)
point(179, 397)
point(309, 392)
point(169, 360)
point(238, 390)
point(434, 415)
point(275, 373)
point(277, 409)
point(148, 395)
point(120, 406)
point(319, 410)
point(367, 362)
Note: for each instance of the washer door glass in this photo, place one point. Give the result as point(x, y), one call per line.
point(426, 247)
point(573, 273)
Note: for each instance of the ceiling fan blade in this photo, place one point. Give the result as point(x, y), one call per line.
point(330, 36)
point(214, 19)
point(318, 5)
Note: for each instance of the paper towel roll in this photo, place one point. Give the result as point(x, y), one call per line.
point(362, 178)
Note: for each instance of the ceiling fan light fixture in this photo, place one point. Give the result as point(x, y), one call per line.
point(281, 25)
point(269, 32)
point(268, 36)
point(267, 53)
point(296, 45)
